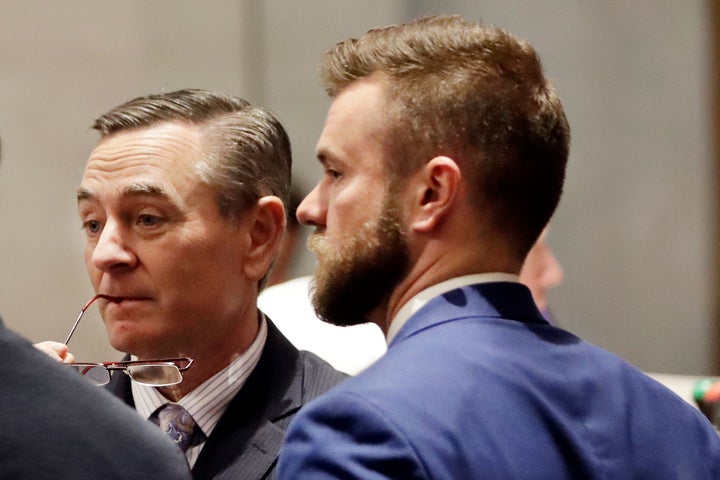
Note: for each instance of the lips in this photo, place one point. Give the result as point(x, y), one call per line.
point(122, 298)
point(109, 298)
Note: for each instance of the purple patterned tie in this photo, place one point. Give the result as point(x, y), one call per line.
point(177, 424)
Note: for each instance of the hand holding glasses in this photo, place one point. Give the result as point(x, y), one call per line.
point(159, 372)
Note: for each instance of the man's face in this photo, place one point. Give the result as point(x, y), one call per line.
point(156, 243)
point(359, 243)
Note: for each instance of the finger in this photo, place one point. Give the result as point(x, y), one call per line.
point(55, 350)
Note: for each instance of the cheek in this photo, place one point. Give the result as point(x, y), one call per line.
point(93, 272)
point(349, 212)
point(206, 265)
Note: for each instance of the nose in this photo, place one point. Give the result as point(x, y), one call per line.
point(311, 210)
point(110, 252)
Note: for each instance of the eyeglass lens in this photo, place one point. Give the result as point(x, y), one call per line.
point(97, 374)
point(155, 375)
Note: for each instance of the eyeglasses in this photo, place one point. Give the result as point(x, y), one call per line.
point(160, 372)
point(157, 373)
point(82, 312)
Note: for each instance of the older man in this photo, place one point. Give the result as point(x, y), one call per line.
point(182, 206)
point(56, 425)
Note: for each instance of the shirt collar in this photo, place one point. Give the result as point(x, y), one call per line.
point(424, 296)
point(208, 401)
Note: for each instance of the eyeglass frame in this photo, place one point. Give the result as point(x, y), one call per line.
point(124, 364)
point(179, 363)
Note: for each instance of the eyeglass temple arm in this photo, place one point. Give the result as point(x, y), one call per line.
point(186, 362)
point(80, 315)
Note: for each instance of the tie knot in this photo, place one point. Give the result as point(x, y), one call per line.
point(178, 425)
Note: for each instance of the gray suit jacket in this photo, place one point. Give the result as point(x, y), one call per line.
point(57, 425)
point(246, 442)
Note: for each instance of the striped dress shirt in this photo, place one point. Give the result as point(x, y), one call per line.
point(208, 402)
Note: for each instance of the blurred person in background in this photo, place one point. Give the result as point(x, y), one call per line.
point(541, 272)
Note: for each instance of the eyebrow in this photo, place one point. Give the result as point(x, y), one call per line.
point(133, 190)
point(325, 155)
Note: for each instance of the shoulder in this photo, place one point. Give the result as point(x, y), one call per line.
point(358, 439)
point(79, 428)
point(282, 355)
point(286, 378)
point(318, 375)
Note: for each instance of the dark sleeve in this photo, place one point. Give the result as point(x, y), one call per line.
point(56, 425)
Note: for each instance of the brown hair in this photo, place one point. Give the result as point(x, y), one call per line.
point(476, 94)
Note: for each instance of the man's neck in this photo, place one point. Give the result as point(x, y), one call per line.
point(438, 263)
point(211, 357)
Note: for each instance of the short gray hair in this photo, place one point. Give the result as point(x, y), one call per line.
point(247, 153)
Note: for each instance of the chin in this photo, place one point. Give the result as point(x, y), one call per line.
point(123, 345)
point(126, 340)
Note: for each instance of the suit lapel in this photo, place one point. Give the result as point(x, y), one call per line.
point(120, 386)
point(246, 441)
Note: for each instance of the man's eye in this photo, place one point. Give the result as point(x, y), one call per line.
point(92, 226)
point(147, 220)
point(332, 173)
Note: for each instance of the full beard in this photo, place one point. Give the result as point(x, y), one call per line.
point(359, 274)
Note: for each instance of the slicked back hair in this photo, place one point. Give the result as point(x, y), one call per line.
point(246, 149)
point(476, 94)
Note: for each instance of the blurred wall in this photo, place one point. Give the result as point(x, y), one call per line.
point(634, 227)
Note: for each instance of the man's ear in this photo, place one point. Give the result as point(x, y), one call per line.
point(266, 231)
point(436, 187)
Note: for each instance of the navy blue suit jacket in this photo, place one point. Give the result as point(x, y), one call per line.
point(246, 441)
point(478, 385)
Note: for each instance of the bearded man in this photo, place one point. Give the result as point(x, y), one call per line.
point(444, 155)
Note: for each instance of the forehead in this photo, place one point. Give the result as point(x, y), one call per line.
point(354, 124)
point(163, 155)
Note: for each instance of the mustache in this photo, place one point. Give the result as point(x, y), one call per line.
point(318, 244)
point(313, 241)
